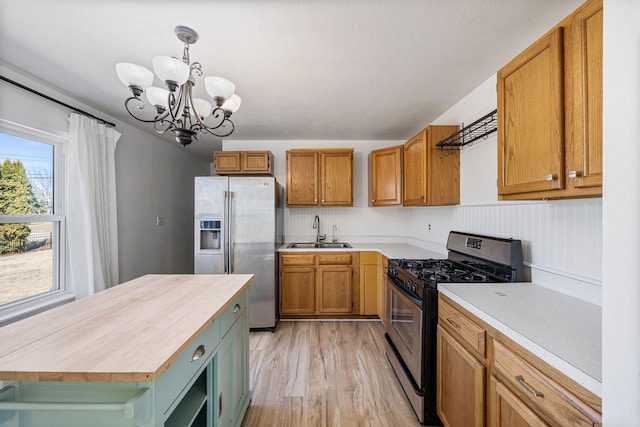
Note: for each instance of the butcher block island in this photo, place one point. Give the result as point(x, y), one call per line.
point(160, 350)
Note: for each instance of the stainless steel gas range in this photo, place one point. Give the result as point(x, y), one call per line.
point(411, 312)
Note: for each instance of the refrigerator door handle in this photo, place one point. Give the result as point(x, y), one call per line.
point(230, 232)
point(225, 248)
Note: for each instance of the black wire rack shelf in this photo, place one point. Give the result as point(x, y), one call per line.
point(481, 128)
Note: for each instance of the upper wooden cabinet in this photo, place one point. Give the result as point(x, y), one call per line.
point(320, 177)
point(550, 113)
point(431, 177)
point(243, 162)
point(385, 176)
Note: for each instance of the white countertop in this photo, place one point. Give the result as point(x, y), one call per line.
point(564, 331)
point(390, 250)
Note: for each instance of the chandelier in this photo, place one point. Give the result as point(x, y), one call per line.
point(176, 109)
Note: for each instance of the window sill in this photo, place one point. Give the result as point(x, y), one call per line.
point(35, 306)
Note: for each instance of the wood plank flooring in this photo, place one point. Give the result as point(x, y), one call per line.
point(324, 373)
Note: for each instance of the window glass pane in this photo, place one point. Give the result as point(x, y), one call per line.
point(28, 251)
point(26, 260)
point(26, 176)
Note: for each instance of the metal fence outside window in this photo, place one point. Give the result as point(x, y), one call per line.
point(33, 242)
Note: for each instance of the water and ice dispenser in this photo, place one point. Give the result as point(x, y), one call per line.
point(210, 235)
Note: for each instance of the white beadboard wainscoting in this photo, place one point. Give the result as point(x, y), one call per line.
point(354, 224)
point(562, 240)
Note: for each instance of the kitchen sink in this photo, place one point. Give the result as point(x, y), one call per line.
point(321, 245)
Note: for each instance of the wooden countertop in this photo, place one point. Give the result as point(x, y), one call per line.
point(131, 332)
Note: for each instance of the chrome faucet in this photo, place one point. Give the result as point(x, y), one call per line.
point(333, 234)
point(316, 226)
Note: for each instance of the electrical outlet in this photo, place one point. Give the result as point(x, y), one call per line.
point(159, 221)
point(429, 227)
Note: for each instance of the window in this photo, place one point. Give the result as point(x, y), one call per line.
point(31, 218)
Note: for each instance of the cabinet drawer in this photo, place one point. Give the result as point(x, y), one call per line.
point(335, 259)
point(537, 390)
point(297, 259)
point(233, 312)
point(462, 327)
point(176, 380)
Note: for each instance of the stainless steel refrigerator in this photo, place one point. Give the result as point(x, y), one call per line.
point(238, 228)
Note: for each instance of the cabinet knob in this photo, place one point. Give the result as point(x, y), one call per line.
point(198, 353)
point(549, 177)
point(236, 308)
point(573, 174)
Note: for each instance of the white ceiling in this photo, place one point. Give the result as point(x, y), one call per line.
point(305, 69)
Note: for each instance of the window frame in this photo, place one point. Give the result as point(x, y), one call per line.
point(60, 293)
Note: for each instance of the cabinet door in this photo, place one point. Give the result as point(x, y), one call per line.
point(336, 179)
point(444, 168)
point(585, 163)
point(507, 410)
point(385, 176)
point(256, 162)
point(369, 282)
point(232, 375)
point(302, 179)
point(414, 181)
point(227, 161)
point(334, 289)
point(460, 384)
point(297, 290)
point(239, 335)
point(531, 131)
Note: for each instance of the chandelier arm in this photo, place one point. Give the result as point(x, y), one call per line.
point(142, 105)
point(174, 105)
point(157, 126)
point(222, 125)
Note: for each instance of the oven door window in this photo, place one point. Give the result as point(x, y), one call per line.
point(402, 319)
point(405, 328)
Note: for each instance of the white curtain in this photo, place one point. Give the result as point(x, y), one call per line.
point(92, 227)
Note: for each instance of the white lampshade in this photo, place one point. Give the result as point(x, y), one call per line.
point(134, 75)
point(217, 87)
point(202, 107)
point(171, 69)
point(232, 104)
point(158, 96)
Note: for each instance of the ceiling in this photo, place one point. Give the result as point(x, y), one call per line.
point(305, 69)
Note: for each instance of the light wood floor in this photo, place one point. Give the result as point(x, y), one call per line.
point(324, 373)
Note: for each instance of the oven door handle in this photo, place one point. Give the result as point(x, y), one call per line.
point(411, 298)
point(416, 388)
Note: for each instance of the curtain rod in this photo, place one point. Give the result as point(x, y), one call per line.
point(77, 110)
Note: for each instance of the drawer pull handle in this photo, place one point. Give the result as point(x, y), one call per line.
point(200, 351)
point(236, 308)
point(452, 323)
point(520, 379)
point(219, 405)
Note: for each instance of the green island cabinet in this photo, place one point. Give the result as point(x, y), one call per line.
point(160, 350)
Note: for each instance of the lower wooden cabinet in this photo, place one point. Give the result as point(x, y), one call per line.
point(461, 378)
point(319, 283)
point(507, 410)
point(509, 387)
